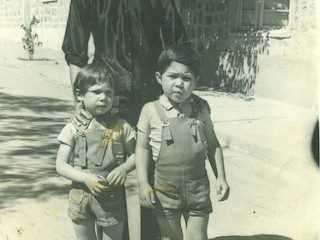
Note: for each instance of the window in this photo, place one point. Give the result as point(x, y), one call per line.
point(273, 16)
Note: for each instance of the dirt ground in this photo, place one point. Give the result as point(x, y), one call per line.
point(31, 194)
point(265, 203)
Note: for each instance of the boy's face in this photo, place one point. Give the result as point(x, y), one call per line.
point(98, 99)
point(177, 82)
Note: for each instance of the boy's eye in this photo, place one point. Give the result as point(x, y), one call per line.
point(187, 79)
point(109, 93)
point(173, 76)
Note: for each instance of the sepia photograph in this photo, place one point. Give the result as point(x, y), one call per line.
point(159, 120)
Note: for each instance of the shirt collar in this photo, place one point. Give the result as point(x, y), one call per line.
point(165, 102)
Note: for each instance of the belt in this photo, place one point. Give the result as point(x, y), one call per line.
point(80, 186)
point(110, 190)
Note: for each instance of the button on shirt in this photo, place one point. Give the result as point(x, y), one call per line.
point(150, 123)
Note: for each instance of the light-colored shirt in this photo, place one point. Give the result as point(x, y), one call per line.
point(68, 133)
point(150, 123)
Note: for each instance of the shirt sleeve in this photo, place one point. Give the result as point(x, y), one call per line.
point(208, 125)
point(128, 132)
point(77, 34)
point(128, 136)
point(204, 114)
point(67, 135)
point(143, 123)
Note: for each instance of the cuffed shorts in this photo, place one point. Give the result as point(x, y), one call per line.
point(182, 189)
point(107, 209)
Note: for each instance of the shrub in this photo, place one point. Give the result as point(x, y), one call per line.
point(30, 39)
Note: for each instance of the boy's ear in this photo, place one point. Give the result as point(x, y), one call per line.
point(158, 77)
point(78, 95)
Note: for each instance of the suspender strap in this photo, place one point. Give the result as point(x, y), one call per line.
point(165, 123)
point(164, 120)
point(81, 143)
point(107, 136)
point(193, 127)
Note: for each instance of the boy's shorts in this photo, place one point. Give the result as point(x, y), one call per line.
point(182, 189)
point(107, 209)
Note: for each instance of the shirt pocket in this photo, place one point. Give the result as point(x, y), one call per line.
point(167, 193)
point(76, 196)
point(199, 192)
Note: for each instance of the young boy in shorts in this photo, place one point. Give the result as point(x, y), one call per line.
point(178, 131)
point(94, 157)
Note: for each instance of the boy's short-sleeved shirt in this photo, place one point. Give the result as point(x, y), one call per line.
point(69, 132)
point(150, 123)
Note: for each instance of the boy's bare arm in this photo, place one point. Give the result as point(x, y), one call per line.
point(92, 181)
point(130, 147)
point(215, 156)
point(146, 193)
point(118, 175)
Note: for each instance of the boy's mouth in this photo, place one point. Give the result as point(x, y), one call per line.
point(102, 106)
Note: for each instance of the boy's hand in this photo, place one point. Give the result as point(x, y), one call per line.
point(146, 196)
point(81, 118)
point(117, 176)
point(222, 189)
point(95, 183)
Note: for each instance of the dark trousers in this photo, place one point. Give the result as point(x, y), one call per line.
point(129, 104)
point(149, 225)
point(128, 107)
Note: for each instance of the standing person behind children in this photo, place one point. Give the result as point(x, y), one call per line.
point(98, 168)
point(131, 32)
point(177, 129)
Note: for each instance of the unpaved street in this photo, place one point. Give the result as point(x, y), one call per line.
point(267, 201)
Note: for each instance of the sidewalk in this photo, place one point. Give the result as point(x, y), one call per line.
point(266, 129)
point(267, 150)
point(261, 127)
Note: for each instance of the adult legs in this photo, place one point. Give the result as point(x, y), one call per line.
point(113, 232)
point(170, 228)
point(149, 224)
point(129, 107)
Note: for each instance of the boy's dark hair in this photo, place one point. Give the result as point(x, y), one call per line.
point(94, 73)
point(183, 54)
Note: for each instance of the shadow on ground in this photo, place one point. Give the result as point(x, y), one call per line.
point(29, 127)
point(255, 237)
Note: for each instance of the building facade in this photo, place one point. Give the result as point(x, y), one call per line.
point(246, 46)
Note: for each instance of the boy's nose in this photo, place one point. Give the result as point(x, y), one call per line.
point(103, 96)
point(179, 82)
